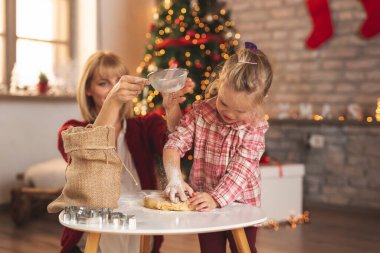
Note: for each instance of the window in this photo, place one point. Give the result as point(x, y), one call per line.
point(2, 42)
point(38, 39)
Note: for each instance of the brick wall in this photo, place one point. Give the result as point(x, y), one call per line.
point(344, 70)
point(346, 171)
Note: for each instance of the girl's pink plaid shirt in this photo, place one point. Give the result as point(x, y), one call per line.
point(226, 157)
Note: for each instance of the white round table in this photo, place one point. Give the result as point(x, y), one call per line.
point(156, 222)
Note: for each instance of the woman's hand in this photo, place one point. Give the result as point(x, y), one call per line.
point(203, 202)
point(170, 100)
point(127, 88)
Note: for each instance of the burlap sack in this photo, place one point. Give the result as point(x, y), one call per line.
point(94, 169)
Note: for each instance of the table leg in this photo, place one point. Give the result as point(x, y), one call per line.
point(241, 240)
point(145, 244)
point(92, 243)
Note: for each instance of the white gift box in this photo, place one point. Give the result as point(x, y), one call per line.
point(282, 188)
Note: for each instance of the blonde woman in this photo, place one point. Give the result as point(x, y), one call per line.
point(104, 95)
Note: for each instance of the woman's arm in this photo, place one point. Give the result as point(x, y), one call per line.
point(123, 92)
point(66, 125)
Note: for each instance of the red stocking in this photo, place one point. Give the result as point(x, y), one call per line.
point(323, 29)
point(371, 25)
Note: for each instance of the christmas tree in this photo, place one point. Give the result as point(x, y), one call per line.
point(196, 35)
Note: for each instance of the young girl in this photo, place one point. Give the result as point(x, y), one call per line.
point(227, 133)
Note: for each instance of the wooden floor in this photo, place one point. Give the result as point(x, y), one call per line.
point(331, 230)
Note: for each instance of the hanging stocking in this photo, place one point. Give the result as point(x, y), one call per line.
point(323, 29)
point(371, 25)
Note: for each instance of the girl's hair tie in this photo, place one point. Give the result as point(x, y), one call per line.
point(247, 62)
point(250, 45)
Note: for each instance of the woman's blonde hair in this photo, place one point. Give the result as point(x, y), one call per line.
point(248, 70)
point(100, 63)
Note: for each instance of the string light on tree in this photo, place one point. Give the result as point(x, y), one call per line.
point(193, 34)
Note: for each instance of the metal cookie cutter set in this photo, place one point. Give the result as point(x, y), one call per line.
point(100, 216)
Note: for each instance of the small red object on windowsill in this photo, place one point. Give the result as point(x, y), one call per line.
point(43, 84)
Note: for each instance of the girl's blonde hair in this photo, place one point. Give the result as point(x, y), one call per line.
point(100, 63)
point(248, 70)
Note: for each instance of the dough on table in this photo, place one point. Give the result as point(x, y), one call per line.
point(160, 202)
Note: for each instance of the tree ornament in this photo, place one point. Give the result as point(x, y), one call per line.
point(322, 25)
point(198, 65)
point(173, 62)
point(191, 33)
point(187, 109)
point(216, 57)
point(193, 4)
point(152, 27)
point(177, 21)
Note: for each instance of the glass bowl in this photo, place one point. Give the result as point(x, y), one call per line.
point(168, 80)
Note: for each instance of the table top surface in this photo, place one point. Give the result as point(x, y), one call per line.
point(157, 222)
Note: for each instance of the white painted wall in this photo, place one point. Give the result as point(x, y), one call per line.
point(123, 25)
point(28, 132)
point(86, 31)
point(28, 135)
point(117, 25)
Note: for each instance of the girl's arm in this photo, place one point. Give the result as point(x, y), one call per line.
point(157, 128)
point(179, 142)
point(176, 184)
point(171, 104)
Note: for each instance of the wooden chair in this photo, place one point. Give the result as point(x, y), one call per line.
point(40, 184)
point(30, 202)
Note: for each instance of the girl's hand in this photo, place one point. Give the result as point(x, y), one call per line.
point(176, 188)
point(203, 202)
point(169, 100)
point(127, 88)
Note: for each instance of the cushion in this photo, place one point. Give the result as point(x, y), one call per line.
point(48, 174)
